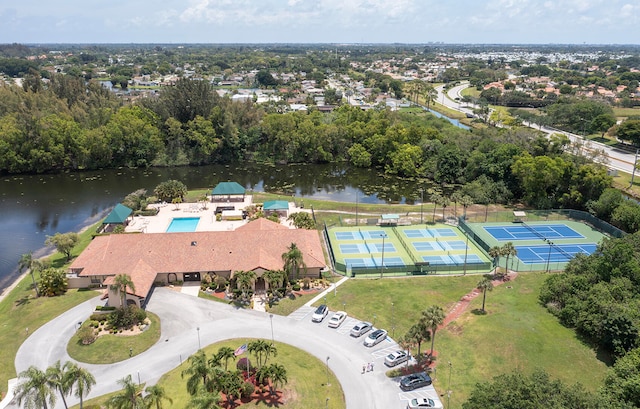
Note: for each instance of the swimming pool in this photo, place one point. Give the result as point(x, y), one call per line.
point(183, 224)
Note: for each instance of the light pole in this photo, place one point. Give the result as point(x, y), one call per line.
point(138, 377)
point(421, 203)
point(466, 250)
point(374, 320)
point(344, 306)
point(326, 404)
point(549, 255)
point(384, 236)
point(328, 384)
point(393, 320)
point(271, 318)
point(449, 387)
point(356, 208)
point(198, 329)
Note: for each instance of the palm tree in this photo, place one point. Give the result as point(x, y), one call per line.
point(81, 378)
point(485, 285)
point(466, 201)
point(293, 260)
point(278, 376)
point(154, 396)
point(406, 344)
point(204, 400)
point(508, 250)
point(418, 333)
point(444, 202)
point(495, 252)
point(27, 263)
point(244, 280)
point(432, 318)
point(120, 283)
point(274, 278)
point(436, 198)
point(35, 390)
point(262, 350)
point(58, 380)
point(430, 94)
point(199, 372)
point(230, 383)
point(130, 397)
point(456, 197)
point(225, 354)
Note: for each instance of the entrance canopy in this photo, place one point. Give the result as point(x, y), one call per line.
point(228, 191)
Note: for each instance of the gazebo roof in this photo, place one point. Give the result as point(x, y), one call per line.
point(118, 215)
point(228, 188)
point(276, 205)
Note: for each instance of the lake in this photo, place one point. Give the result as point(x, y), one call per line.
point(36, 206)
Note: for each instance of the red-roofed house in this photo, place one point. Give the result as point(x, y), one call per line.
point(167, 257)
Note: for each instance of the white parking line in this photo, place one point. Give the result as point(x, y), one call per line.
point(301, 313)
point(346, 326)
point(415, 394)
point(381, 353)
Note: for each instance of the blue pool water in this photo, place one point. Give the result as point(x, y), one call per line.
point(183, 224)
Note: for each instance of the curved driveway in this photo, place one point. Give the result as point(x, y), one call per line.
point(182, 314)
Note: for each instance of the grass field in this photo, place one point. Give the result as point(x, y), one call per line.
point(115, 348)
point(305, 389)
point(516, 333)
point(21, 313)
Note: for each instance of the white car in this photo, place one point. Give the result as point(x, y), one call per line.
point(420, 403)
point(361, 328)
point(320, 313)
point(337, 319)
point(396, 357)
point(375, 338)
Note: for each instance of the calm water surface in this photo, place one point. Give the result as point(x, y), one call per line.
point(33, 207)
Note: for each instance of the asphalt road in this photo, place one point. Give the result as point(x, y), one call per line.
point(181, 315)
point(616, 158)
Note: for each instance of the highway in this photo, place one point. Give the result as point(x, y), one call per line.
point(613, 158)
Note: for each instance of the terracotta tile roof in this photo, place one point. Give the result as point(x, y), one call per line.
point(142, 276)
point(259, 244)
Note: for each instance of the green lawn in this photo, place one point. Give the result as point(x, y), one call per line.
point(115, 348)
point(517, 332)
point(306, 387)
point(289, 304)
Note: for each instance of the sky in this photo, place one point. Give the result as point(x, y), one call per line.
point(321, 21)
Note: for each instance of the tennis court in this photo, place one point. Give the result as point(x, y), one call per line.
point(367, 248)
point(552, 253)
point(374, 262)
point(439, 245)
point(524, 231)
point(429, 233)
point(456, 259)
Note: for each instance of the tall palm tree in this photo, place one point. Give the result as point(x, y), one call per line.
point(293, 260)
point(262, 350)
point(444, 202)
point(274, 278)
point(129, 397)
point(200, 373)
point(485, 285)
point(418, 333)
point(27, 263)
point(120, 283)
point(58, 380)
point(154, 396)
point(81, 379)
point(508, 250)
point(406, 343)
point(35, 390)
point(466, 201)
point(432, 318)
point(430, 94)
point(495, 252)
point(225, 354)
point(456, 197)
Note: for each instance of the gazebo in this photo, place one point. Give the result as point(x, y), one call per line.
point(228, 192)
point(276, 206)
point(119, 216)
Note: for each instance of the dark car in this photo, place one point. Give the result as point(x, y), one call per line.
point(415, 381)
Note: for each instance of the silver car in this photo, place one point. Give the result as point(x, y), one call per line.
point(360, 329)
point(396, 358)
point(420, 403)
point(375, 338)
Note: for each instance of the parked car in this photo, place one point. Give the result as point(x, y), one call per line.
point(415, 381)
point(337, 319)
point(360, 329)
point(320, 313)
point(420, 403)
point(396, 358)
point(375, 338)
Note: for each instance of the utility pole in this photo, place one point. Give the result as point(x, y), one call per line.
point(635, 162)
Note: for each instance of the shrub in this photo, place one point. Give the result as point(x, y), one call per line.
point(99, 317)
point(306, 282)
point(296, 287)
point(86, 335)
point(126, 317)
point(221, 282)
point(247, 389)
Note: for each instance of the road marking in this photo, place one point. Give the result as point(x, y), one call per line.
point(347, 325)
point(301, 313)
point(381, 353)
point(417, 394)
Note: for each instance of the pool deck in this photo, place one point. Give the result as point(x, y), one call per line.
point(167, 212)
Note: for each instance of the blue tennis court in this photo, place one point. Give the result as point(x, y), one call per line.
point(374, 262)
point(439, 245)
point(353, 248)
point(456, 259)
point(532, 232)
point(426, 245)
point(347, 235)
point(557, 253)
point(429, 233)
